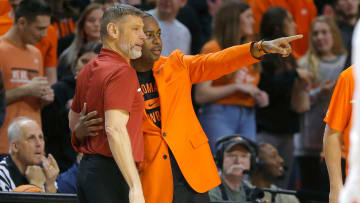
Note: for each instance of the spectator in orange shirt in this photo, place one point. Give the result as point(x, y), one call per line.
point(303, 11)
point(20, 62)
point(47, 45)
point(338, 119)
point(229, 102)
point(87, 30)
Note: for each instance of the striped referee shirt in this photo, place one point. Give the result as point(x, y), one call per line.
point(10, 176)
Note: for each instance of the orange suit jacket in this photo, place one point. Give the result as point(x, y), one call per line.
point(181, 131)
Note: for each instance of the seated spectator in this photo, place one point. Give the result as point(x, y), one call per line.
point(47, 45)
point(87, 30)
point(54, 116)
point(26, 163)
point(325, 59)
point(270, 167)
point(229, 102)
point(27, 90)
point(233, 157)
point(175, 35)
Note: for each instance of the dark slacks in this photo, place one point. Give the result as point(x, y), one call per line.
point(183, 193)
point(100, 180)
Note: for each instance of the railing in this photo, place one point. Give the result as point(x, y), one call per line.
point(24, 197)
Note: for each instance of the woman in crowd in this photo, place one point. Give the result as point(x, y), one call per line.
point(87, 30)
point(229, 101)
point(55, 120)
point(325, 59)
point(278, 122)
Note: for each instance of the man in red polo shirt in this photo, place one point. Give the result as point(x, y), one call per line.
point(109, 85)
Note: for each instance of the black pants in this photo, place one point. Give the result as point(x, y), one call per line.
point(183, 193)
point(100, 180)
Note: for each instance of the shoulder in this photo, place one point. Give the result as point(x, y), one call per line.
point(348, 73)
point(181, 26)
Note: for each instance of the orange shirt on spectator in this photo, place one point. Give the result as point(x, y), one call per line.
point(18, 66)
point(248, 75)
point(4, 7)
point(47, 45)
point(303, 12)
point(339, 114)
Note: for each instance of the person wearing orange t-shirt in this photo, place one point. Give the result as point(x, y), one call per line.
point(20, 62)
point(230, 100)
point(338, 119)
point(303, 12)
point(178, 165)
point(47, 45)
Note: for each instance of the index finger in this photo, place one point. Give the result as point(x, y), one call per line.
point(292, 38)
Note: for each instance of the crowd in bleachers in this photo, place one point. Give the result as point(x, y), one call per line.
point(277, 106)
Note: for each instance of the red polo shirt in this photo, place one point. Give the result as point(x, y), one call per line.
point(109, 82)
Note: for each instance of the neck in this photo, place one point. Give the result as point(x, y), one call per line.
point(233, 182)
point(14, 36)
point(114, 48)
point(165, 18)
point(141, 65)
point(260, 180)
point(327, 56)
point(93, 39)
point(18, 164)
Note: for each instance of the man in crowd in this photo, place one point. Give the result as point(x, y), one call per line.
point(21, 64)
point(176, 35)
point(109, 85)
point(26, 163)
point(47, 45)
point(270, 167)
point(178, 165)
point(234, 156)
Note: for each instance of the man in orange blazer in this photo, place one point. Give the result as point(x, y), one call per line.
point(178, 165)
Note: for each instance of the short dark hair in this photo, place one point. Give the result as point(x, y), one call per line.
point(30, 9)
point(116, 12)
point(88, 47)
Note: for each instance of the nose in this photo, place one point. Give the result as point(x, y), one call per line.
point(142, 36)
point(157, 40)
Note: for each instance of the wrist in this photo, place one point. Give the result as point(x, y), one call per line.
point(36, 183)
point(255, 52)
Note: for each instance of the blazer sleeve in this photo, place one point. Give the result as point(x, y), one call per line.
point(211, 66)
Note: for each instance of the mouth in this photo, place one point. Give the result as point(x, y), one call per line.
point(156, 51)
point(281, 170)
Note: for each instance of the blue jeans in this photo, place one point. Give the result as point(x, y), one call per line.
point(220, 120)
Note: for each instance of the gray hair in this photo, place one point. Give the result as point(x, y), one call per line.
point(14, 131)
point(115, 13)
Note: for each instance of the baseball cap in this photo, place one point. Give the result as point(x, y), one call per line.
point(228, 145)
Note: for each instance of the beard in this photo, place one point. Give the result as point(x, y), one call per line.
point(130, 50)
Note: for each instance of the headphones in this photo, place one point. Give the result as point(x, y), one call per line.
point(255, 162)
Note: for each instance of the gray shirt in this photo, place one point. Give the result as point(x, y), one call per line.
point(173, 35)
point(309, 141)
point(233, 195)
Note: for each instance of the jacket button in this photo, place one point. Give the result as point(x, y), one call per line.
point(165, 156)
point(164, 134)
